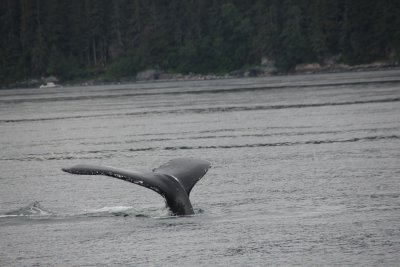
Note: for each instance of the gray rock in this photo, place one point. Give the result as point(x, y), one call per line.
point(268, 63)
point(308, 67)
point(51, 79)
point(33, 83)
point(149, 74)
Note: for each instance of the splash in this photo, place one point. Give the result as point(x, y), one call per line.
point(33, 209)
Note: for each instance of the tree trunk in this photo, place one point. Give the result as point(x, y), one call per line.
point(94, 51)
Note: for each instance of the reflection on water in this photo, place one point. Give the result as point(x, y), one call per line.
point(305, 169)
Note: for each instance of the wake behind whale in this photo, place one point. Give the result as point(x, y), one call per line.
point(31, 210)
point(173, 180)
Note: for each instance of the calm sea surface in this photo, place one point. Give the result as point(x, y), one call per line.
point(306, 171)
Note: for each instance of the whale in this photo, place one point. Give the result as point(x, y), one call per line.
point(173, 180)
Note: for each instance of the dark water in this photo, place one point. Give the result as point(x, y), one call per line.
point(305, 172)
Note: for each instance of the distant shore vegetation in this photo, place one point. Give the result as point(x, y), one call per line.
point(84, 39)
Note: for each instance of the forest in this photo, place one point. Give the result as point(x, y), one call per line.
point(73, 39)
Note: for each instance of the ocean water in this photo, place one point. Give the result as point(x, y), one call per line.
point(305, 171)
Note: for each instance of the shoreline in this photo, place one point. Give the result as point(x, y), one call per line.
point(152, 75)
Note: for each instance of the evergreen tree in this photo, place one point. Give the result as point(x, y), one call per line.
point(317, 35)
point(71, 38)
point(39, 54)
point(294, 47)
point(10, 50)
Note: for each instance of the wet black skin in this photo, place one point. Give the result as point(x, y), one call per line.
point(173, 180)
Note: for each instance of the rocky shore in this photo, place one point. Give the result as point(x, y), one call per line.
point(266, 69)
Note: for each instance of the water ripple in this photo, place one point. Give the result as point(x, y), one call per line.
point(209, 110)
point(312, 142)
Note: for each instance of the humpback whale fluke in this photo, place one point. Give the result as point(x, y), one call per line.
point(173, 180)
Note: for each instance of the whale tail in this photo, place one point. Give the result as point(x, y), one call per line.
point(187, 171)
point(173, 180)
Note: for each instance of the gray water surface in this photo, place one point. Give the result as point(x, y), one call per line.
point(305, 172)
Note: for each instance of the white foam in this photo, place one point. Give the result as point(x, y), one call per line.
point(7, 216)
point(113, 209)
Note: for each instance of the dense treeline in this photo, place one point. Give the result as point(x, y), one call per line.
point(72, 39)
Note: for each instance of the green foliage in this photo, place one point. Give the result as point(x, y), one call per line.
point(66, 68)
point(126, 66)
point(318, 38)
point(68, 38)
point(39, 56)
point(294, 46)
